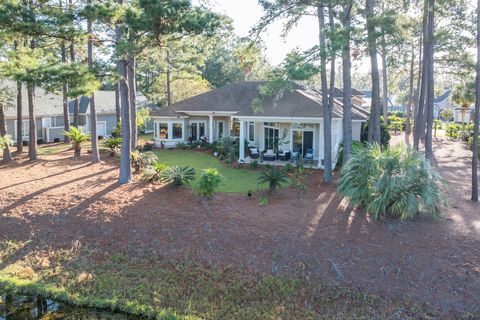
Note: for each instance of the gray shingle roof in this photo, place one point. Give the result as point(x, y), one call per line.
point(237, 97)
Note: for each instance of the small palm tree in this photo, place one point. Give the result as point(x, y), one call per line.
point(274, 177)
point(142, 159)
point(113, 144)
point(152, 173)
point(178, 175)
point(5, 141)
point(77, 137)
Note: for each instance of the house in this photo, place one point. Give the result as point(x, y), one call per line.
point(367, 102)
point(294, 121)
point(49, 113)
point(357, 97)
point(441, 103)
point(463, 116)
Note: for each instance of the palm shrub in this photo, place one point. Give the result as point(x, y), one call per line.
point(142, 159)
point(5, 141)
point(77, 137)
point(178, 175)
point(210, 180)
point(152, 173)
point(393, 182)
point(274, 177)
point(113, 144)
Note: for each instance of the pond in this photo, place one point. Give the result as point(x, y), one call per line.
point(21, 307)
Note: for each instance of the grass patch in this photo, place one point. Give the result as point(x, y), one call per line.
point(165, 289)
point(236, 180)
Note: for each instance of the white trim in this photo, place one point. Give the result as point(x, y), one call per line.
point(207, 113)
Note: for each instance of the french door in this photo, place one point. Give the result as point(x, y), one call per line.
point(302, 141)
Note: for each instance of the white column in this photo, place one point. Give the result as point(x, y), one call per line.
point(210, 131)
point(321, 142)
point(242, 142)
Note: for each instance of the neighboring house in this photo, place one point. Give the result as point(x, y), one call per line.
point(367, 102)
point(469, 115)
point(357, 97)
point(49, 113)
point(227, 111)
point(442, 102)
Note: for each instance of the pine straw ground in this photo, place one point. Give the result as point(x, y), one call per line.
point(68, 230)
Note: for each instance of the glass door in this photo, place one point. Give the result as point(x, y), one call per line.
point(307, 141)
point(298, 141)
point(193, 131)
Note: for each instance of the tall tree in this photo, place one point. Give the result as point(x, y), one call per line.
point(477, 115)
point(19, 110)
point(327, 113)
point(93, 111)
point(331, 92)
point(73, 58)
point(430, 81)
point(347, 80)
point(375, 111)
point(6, 101)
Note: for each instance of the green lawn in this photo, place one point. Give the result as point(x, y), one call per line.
point(236, 180)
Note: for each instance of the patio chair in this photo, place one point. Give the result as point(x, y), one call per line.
point(308, 156)
point(294, 156)
point(284, 155)
point(269, 155)
point(254, 153)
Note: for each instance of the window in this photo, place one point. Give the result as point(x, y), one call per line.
point(271, 138)
point(251, 131)
point(177, 129)
point(201, 128)
point(163, 129)
point(220, 130)
point(25, 128)
point(56, 122)
point(82, 120)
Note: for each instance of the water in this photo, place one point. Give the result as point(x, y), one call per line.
point(21, 307)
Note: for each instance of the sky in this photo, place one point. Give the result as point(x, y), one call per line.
point(246, 13)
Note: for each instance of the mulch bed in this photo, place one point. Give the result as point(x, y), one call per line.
point(59, 200)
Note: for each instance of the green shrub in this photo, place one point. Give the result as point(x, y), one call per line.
point(152, 173)
point(148, 146)
point(356, 145)
point(288, 168)
point(182, 145)
point(453, 131)
point(299, 177)
point(141, 160)
point(5, 141)
point(262, 201)
point(393, 183)
point(209, 181)
point(274, 177)
point(113, 144)
point(470, 144)
point(178, 175)
point(254, 164)
point(384, 135)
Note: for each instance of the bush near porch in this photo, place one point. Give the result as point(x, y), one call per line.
point(235, 180)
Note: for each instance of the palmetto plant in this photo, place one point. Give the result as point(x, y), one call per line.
point(113, 144)
point(77, 137)
point(178, 175)
point(5, 141)
point(394, 183)
point(152, 173)
point(274, 177)
point(142, 159)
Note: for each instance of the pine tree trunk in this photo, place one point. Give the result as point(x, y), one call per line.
point(327, 114)
point(347, 84)
point(7, 157)
point(76, 106)
point(420, 119)
point(19, 118)
point(410, 95)
point(125, 160)
point(419, 80)
point(477, 116)
point(385, 82)
point(169, 92)
point(331, 98)
point(430, 82)
point(66, 111)
point(375, 111)
point(32, 135)
point(117, 102)
point(93, 111)
point(132, 88)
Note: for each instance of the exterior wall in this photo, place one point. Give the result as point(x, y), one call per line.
point(356, 130)
point(110, 121)
point(11, 128)
point(457, 116)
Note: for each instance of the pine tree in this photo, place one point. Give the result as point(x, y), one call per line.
point(476, 121)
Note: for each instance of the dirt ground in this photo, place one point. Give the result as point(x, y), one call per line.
point(58, 201)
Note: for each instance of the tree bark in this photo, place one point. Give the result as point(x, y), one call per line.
point(430, 81)
point(477, 116)
point(32, 135)
point(76, 107)
point(19, 118)
point(375, 111)
point(125, 160)
point(169, 88)
point(420, 119)
point(93, 111)
point(385, 82)
point(132, 92)
point(66, 110)
point(7, 156)
point(410, 94)
point(331, 98)
point(347, 83)
point(117, 102)
point(327, 113)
